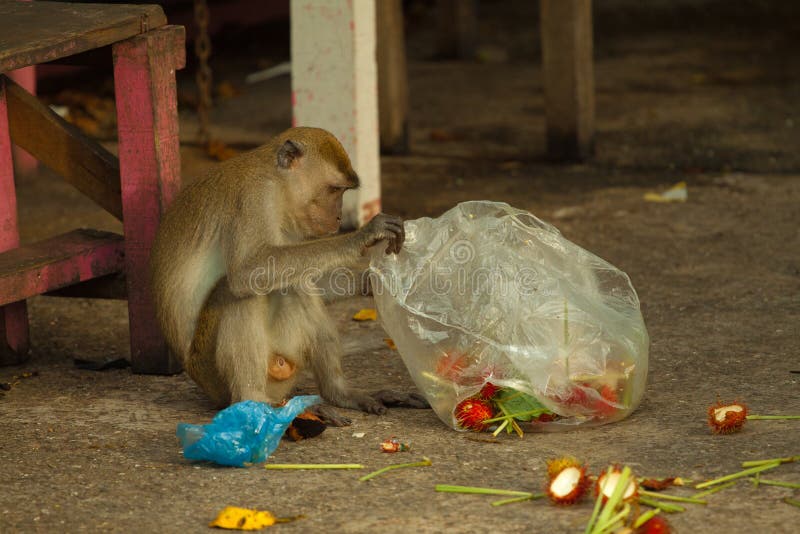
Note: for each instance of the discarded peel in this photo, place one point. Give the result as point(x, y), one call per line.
point(607, 483)
point(726, 418)
point(568, 486)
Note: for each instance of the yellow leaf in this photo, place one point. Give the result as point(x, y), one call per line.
point(235, 518)
point(676, 193)
point(367, 314)
point(390, 343)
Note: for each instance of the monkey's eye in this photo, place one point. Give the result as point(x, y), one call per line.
point(336, 188)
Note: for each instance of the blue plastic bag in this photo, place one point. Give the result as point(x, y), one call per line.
point(243, 433)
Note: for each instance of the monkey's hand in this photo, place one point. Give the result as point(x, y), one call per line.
point(383, 227)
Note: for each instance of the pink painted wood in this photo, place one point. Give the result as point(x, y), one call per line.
point(13, 317)
point(58, 262)
point(149, 159)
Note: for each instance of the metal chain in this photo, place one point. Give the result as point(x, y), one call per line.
point(202, 49)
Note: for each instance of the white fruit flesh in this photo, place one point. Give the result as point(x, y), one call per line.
point(720, 413)
point(565, 482)
point(609, 483)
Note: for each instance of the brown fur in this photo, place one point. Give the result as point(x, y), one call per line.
point(227, 264)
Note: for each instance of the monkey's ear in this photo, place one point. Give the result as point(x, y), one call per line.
point(288, 154)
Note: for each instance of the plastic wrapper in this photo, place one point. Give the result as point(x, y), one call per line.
point(242, 434)
point(496, 314)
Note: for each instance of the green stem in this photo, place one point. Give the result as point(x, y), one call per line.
point(645, 517)
point(506, 416)
point(740, 474)
point(597, 503)
point(665, 497)
point(793, 502)
point(500, 428)
point(313, 466)
point(772, 417)
point(713, 490)
point(615, 522)
point(792, 485)
point(423, 463)
point(531, 497)
point(447, 488)
point(785, 460)
point(663, 506)
point(616, 496)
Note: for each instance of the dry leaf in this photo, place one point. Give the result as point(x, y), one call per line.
point(676, 193)
point(235, 518)
point(367, 314)
point(220, 151)
point(441, 136)
point(226, 89)
point(655, 484)
point(390, 343)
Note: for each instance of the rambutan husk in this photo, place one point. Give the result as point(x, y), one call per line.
point(726, 418)
point(568, 485)
point(607, 482)
point(556, 465)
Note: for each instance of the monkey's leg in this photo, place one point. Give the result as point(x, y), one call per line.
point(324, 358)
point(242, 352)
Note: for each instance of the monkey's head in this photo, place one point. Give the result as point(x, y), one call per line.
point(317, 172)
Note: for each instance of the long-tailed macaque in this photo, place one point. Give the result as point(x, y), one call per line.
point(231, 266)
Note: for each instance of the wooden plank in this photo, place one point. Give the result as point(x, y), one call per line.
point(150, 172)
point(569, 78)
point(458, 28)
point(14, 344)
point(57, 262)
point(83, 162)
point(36, 32)
point(335, 86)
point(392, 77)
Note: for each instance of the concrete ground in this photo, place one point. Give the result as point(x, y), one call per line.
point(704, 94)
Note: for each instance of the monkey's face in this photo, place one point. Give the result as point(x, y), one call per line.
point(325, 210)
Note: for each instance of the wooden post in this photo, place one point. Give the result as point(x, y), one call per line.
point(149, 161)
point(392, 77)
point(13, 317)
point(458, 28)
point(25, 77)
point(334, 86)
point(566, 27)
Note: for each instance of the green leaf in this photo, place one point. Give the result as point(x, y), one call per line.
point(517, 402)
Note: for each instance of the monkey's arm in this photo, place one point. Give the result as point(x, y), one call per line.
point(264, 268)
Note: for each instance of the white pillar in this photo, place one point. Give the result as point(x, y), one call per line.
point(334, 86)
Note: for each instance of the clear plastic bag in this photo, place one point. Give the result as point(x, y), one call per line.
point(487, 303)
point(243, 433)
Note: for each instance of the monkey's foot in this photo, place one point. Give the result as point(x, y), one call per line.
point(401, 400)
point(329, 415)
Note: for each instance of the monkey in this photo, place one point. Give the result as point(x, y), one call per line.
point(230, 271)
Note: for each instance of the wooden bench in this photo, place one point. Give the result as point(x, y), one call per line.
point(135, 187)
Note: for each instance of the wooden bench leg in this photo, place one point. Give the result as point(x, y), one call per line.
point(568, 78)
point(149, 160)
point(13, 317)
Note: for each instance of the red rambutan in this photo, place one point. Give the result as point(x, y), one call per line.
point(654, 525)
point(472, 412)
point(488, 391)
point(451, 366)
